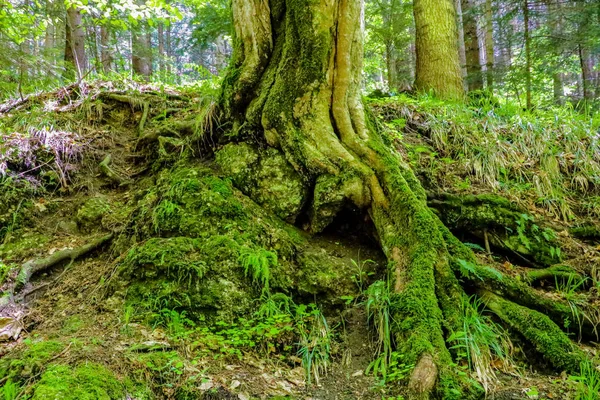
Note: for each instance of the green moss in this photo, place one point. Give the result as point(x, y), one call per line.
point(266, 177)
point(513, 229)
point(22, 245)
point(538, 329)
point(30, 360)
point(92, 211)
point(84, 382)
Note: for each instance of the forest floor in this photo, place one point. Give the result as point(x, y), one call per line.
point(102, 325)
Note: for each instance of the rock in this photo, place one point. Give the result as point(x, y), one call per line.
point(92, 211)
point(68, 226)
point(266, 177)
point(10, 329)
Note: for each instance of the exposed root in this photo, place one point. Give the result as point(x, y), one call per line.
point(33, 267)
point(539, 330)
point(561, 272)
point(110, 173)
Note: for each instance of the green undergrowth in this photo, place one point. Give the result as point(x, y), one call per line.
point(551, 154)
point(197, 244)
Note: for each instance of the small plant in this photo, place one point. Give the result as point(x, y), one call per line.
point(10, 390)
point(257, 264)
point(588, 382)
point(378, 311)
point(177, 324)
point(481, 342)
point(361, 273)
point(315, 342)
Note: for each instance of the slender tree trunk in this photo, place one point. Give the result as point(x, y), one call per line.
point(105, 49)
point(169, 48)
point(587, 77)
point(473, 54)
point(161, 48)
point(140, 53)
point(527, 35)
point(462, 52)
point(75, 59)
point(489, 44)
point(438, 65)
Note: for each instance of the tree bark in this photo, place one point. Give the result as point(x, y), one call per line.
point(462, 52)
point(105, 50)
point(473, 54)
point(527, 38)
point(489, 45)
point(75, 59)
point(161, 48)
point(438, 66)
point(140, 52)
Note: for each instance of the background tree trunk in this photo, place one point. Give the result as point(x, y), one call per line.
point(75, 59)
point(105, 50)
point(140, 53)
point(462, 52)
point(527, 38)
point(489, 45)
point(438, 66)
point(473, 56)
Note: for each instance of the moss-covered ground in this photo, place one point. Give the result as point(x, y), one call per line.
point(211, 288)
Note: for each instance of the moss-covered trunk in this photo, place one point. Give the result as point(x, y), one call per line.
point(438, 66)
point(294, 85)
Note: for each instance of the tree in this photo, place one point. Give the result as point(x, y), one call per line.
point(473, 56)
point(294, 86)
point(141, 50)
point(489, 45)
point(438, 66)
point(75, 59)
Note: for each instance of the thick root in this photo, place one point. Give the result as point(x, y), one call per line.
point(500, 224)
point(539, 330)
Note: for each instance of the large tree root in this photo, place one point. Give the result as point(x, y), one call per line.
point(539, 330)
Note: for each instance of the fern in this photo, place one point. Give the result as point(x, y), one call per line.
point(257, 265)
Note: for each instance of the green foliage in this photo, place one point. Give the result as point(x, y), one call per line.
point(9, 390)
point(588, 381)
point(378, 305)
point(315, 342)
point(550, 153)
point(481, 342)
point(84, 382)
point(257, 264)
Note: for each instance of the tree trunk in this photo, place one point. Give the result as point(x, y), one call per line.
point(140, 53)
point(462, 52)
point(161, 48)
point(587, 76)
point(527, 35)
point(489, 45)
point(438, 66)
point(75, 60)
point(294, 85)
point(105, 50)
point(474, 72)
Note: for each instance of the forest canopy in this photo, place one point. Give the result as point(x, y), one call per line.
point(534, 52)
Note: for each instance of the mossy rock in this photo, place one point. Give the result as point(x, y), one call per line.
point(197, 238)
point(266, 177)
point(84, 382)
point(92, 211)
